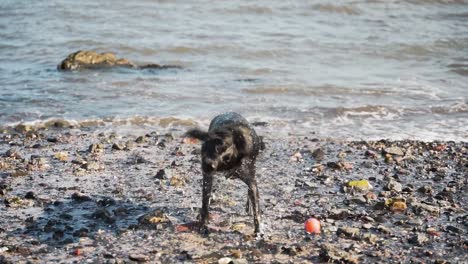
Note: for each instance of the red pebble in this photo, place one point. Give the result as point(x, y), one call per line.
point(312, 226)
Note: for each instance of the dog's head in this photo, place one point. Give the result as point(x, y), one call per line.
point(222, 149)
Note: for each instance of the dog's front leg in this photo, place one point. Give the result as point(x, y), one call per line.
point(206, 197)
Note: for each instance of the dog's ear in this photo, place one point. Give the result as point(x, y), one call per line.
point(198, 134)
point(242, 139)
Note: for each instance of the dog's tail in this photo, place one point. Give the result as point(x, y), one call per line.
point(198, 134)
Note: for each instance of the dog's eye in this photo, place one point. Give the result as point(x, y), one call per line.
point(226, 158)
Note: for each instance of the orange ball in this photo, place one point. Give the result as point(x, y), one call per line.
point(312, 226)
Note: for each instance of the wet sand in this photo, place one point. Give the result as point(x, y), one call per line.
point(81, 195)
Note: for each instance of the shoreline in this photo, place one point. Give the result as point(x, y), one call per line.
point(81, 194)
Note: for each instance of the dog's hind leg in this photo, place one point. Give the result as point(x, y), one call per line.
point(253, 197)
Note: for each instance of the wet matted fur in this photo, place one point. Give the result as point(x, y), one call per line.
point(231, 146)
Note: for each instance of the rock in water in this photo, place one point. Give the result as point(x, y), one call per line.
point(88, 59)
point(91, 60)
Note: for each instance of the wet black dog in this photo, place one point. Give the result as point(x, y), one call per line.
point(230, 146)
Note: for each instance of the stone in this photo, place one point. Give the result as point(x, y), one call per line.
point(318, 154)
point(361, 185)
point(91, 166)
point(348, 232)
point(13, 153)
point(161, 175)
point(225, 260)
point(330, 253)
point(394, 151)
point(96, 148)
point(418, 239)
point(393, 185)
point(420, 207)
point(79, 197)
point(91, 60)
point(118, 146)
point(104, 215)
point(138, 257)
point(30, 195)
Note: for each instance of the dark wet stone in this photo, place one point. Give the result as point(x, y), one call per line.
point(335, 165)
point(104, 215)
point(58, 234)
point(66, 216)
point(30, 195)
point(454, 229)
point(52, 139)
point(82, 232)
point(79, 197)
point(106, 202)
point(259, 124)
point(161, 175)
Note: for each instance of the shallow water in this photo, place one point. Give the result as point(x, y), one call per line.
point(351, 69)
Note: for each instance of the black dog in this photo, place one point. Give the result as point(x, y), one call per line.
point(229, 146)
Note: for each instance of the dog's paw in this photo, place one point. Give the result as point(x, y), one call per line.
point(260, 232)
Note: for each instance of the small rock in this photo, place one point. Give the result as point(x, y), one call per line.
point(371, 238)
point(61, 156)
point(419, 207)
point(330, 253)
point(19, 173)
point(13, 153)
point(359, 200)
point(91, 166)
point(52, 139)
point(138, 257)
point(362, 185)
point(367, 226)
point(349, 232)
point(318, 154)
point(96, 148)
point(384, 229)
point(393, 185)
point(418, 239)
point(79, 197)
point(225, 260)
point(394, 151)
point(370, 154)
point(454, 229)
point(177, 181)
point(30, 195)
point(140, 139)
point(161, 174)
point(118, 146)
